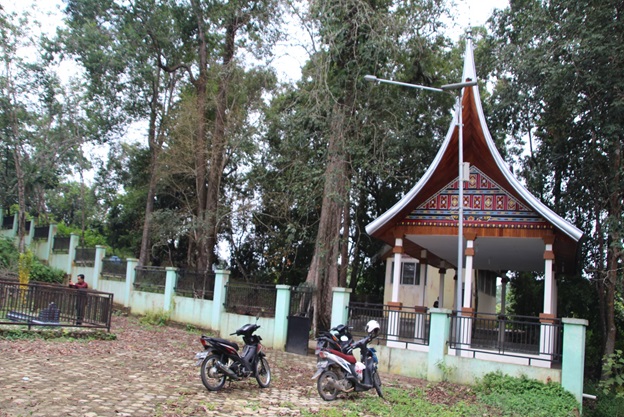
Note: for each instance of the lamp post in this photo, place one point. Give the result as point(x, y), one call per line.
point(460, 157)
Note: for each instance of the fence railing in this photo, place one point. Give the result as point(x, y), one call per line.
point(410, 327)
point(7, 222)
point(50, 305)
point(520, 336)
point(114, 269)
point(150, 279)
point(85, 256)
point(41, 232)
point(195, 284)
point(250, 299)
point(61, 244)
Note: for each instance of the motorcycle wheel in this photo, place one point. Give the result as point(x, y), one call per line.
point(377, 383)
point(211, 377)
point(263, 372)
point(326, 386)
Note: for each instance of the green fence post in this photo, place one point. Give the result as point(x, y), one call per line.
point(439, 331)
point(100, 252)
point(340, 306)
point(71, 252)
point(282, 308)
point(131, 263)
point(573, 357)
point(221, 280)
point(170, 282)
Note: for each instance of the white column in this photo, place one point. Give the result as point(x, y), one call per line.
point(398, 252)
point(469, 273)
point(423, 277)
point(549, 257)
point(547, 318)
point(441, 289)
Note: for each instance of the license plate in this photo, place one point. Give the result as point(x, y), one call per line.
point(199, 357)
point(320, 367)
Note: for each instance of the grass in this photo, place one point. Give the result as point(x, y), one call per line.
point(55, 334)
point(494, 396)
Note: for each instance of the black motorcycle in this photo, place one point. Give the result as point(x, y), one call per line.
point(220, 359)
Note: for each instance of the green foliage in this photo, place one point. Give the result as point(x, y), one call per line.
point(8, 254)
point(525, 397)
point(155, 318)
point(399, 403)
point(90, 239)
point(605, 405)
point(44, 273)
point(59, 334)
point(613, 374)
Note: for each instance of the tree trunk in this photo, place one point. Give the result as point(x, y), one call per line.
point(155, 147)
point(323, 273)
point(217, 149)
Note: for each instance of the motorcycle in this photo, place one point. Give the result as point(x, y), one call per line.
point(220, 359)
point(340, 372)
point(337, 338)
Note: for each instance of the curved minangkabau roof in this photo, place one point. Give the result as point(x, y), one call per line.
point(471, 102)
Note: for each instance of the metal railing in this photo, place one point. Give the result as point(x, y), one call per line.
point(250, 299)
point(85, 256)
point(37, 304)
point(518, 336)
point(114, 270)
point(195, 284)
point(7, 222)
point(409, 327)
point(41, 232)
point(150, 279)
point(61, 244)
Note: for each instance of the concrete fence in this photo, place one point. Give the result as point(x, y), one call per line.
point(434, 362)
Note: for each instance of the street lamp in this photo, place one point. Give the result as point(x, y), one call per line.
point(460, 157)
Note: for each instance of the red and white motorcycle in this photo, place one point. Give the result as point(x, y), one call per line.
point(339, 372)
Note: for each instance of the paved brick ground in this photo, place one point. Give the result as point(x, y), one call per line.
point(147, 371)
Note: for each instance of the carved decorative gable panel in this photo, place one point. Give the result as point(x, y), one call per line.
point(486, 204)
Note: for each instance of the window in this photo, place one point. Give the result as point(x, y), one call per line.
point(410, 273)
point(487, 283)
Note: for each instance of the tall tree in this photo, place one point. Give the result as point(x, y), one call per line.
point(565, 59)
point(41, 120)
point(354, 38)
point(111, 40)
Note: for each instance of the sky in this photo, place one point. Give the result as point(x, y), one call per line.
point(289, 58)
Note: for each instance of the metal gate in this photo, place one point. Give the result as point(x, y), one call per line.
point(299, 319)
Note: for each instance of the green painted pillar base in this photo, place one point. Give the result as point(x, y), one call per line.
point(438, 343)
point(221, 279)
point(131, 263)
point(340, 306)
point(282, 308)
point(573, 357)
point(171, 280)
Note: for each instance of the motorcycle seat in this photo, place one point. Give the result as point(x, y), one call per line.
point(223, 341)
point(348, 358)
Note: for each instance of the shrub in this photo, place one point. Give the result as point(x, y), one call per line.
point(44, 273)
point(526, 397)
point(8, 254)
point(613, 371)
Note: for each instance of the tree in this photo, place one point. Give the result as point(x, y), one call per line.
point(564, 59)
point(40, 122)
point(111, 40)
point(339, 150)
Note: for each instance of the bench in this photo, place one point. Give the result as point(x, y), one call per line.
point(49, 315)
